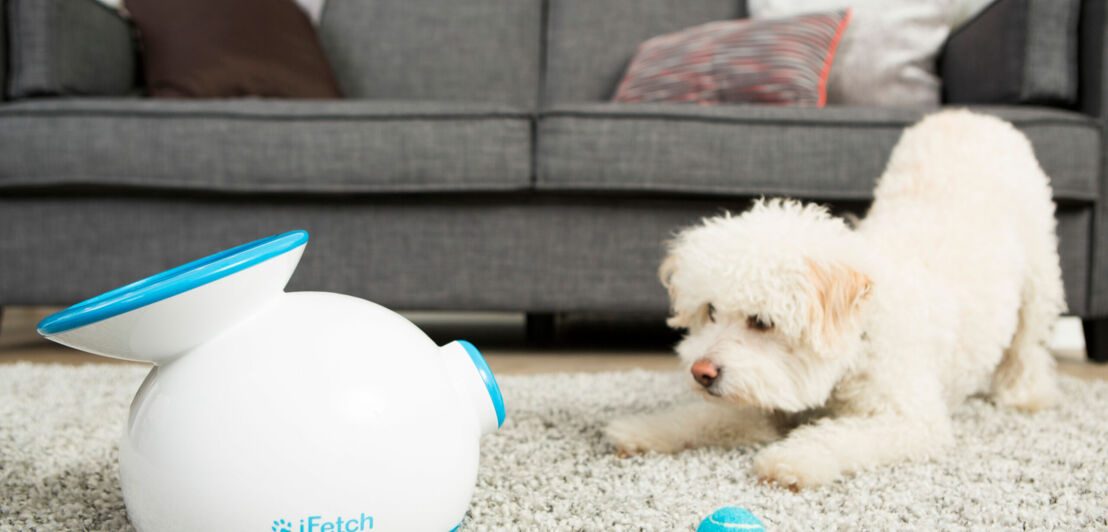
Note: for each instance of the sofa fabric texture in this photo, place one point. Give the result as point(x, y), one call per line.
point(1016, 52)
point(485, 170)
point(265, 146)
point(773, 62)
point(3, 50)
point(472, 50)
point(218, 49)
point(68, 47)
point(830, 153)
point(496, 253)
point(590, 42)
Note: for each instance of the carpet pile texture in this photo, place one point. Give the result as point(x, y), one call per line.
point(548, 469)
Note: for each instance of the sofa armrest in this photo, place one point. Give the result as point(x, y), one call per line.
point(68, 47)
point(1094, 102)
point(1014, 52)
point(3, 50)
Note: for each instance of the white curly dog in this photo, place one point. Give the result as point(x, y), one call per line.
point(847, 348)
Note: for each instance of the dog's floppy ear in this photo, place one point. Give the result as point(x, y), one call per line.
point(677, 319)
point(665, 274)
point(835, 294)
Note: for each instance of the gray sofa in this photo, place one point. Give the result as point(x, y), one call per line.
point(476, 164)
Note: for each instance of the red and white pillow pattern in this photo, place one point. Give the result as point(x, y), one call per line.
point(783, 61)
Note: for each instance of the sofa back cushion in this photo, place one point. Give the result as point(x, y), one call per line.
point(67, 48)
point(472, 50)
point(590, 42)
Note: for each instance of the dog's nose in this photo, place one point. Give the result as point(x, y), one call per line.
point(705, 372)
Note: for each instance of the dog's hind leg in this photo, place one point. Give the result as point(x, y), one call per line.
point(1025, 377)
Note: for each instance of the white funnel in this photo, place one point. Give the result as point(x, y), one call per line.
point(162, 316)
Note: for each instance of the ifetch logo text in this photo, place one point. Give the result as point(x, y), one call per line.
point(315, 523)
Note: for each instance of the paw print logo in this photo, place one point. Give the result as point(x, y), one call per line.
point(281, 526)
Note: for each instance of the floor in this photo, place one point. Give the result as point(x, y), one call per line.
point(581, 344)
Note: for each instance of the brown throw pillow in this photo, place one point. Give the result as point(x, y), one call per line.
point(219, 49)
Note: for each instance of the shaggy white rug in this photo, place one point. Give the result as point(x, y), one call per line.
point(547, 468)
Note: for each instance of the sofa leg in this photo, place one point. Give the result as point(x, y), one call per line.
point(540, 329)
point(1096, 339)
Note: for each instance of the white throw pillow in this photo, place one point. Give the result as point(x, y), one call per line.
point(312, 7)
point(964, 10)
point(887, 55)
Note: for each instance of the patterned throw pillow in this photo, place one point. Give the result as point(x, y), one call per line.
point(781, 61)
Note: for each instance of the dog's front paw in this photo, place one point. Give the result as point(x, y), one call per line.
point(640, 434)
point(796, 467)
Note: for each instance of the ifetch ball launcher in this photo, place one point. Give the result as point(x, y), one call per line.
point(290, 412)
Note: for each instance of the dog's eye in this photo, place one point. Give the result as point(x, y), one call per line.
point(711, 313)
point(757, 323)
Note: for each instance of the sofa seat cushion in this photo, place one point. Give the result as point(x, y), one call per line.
point(830, 153)
point(265, 145)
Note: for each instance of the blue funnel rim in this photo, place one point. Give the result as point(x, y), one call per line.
point(490, 381)
point(171, 282)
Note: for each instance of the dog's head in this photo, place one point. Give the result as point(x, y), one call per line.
point(772, 301)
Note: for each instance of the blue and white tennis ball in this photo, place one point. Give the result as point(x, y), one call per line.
point(731, 519)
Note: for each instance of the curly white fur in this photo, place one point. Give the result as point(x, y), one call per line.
point(949, 286)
